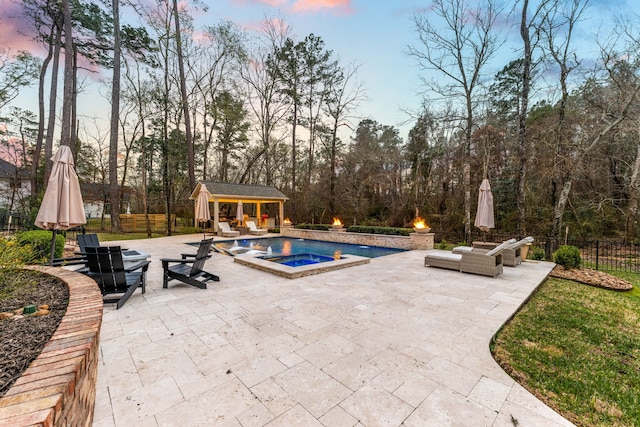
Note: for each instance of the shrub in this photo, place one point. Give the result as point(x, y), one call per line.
point(536, 253)
point(40, 243)
point(13, 255)
point(567, 256)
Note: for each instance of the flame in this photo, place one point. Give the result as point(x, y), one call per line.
point(419, 223)
point(336, 222)
point(286, 221)
point(286, 247)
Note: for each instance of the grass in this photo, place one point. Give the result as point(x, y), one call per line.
point(577, 348)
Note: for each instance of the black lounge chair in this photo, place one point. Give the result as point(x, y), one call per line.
point(85, 240)
point(116, 282)
point(189, 269)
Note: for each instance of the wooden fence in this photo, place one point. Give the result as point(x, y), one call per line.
point(137, 222)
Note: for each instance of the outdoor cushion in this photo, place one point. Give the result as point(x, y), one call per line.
point(522, 242)
point(502, 246)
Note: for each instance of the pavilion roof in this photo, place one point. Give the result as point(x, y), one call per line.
point(228, 192)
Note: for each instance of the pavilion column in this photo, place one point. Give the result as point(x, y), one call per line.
point(258, 216)
point(216, 214)
point(280, 213)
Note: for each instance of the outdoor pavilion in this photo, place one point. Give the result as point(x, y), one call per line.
point(224, 192)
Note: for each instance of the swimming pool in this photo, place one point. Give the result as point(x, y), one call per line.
point(293, 246)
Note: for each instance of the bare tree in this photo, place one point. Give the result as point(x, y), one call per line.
point(262, 91)
point(558, 32)
point(530, 33)
point(185, 99)
point(458, 47)
point(344, 94)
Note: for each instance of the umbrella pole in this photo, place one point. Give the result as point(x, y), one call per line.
point(53, 246)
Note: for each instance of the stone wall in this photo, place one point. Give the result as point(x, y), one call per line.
point(414, 241)
point(59, 387)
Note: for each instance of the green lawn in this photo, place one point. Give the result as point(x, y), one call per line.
point(578, 349)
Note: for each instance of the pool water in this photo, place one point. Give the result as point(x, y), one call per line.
point(293, 246)
point(297, 260)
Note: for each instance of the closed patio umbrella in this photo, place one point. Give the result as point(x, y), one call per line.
point(484, 215)
point(240, 213)
point(203, 213)
point(61, 206)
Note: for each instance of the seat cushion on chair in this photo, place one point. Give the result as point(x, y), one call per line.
point(522, 242)
point(443, 259)
point(502, 246)
point(461, 249)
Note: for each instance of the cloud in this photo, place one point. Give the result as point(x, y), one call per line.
point(307, 6)
point(12, 24)
point(312, 6)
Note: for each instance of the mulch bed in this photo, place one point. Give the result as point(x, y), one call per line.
point(592, 278)
point(22, 337)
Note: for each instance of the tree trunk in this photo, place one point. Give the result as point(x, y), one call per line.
point(73, 134)
point(293, 162)
point(114, 193)
point(523, 148)
point(35, 185)
point(53, 97)
point(185, 101)
point(466, 170)
point(558, 212)
point(65, 134)
point(634, 195)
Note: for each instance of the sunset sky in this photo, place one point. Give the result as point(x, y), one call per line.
point(372, 33)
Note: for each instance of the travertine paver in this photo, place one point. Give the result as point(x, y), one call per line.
point(388, 343)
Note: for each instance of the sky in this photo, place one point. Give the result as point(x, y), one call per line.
point(372, 33)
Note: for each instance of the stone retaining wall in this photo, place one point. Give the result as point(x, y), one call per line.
point(414, 241)
point(59, 387)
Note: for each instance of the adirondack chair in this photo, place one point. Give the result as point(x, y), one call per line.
point(189, 268)
point(116, 282)
point(79, 258)
point(85, 240)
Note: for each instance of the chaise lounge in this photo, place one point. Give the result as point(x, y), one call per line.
point(486, 264)
point(255, 230)
point(511, 256)
point(226, 230)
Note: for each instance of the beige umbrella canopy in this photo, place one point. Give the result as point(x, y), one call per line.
point(62, 206)
point(203, 213)
point(484, 216)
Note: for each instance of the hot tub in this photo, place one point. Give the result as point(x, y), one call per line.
point(298, 260)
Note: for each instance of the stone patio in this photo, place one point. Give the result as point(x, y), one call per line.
point(389, 343)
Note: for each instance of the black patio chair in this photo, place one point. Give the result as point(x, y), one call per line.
point(116, 282)
point(85, 240)
point(89, 239)
point(189, 269)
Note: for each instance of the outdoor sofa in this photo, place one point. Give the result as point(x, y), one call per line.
point(485, 264)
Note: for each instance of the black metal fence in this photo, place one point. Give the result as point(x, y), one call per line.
point(609, 255)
